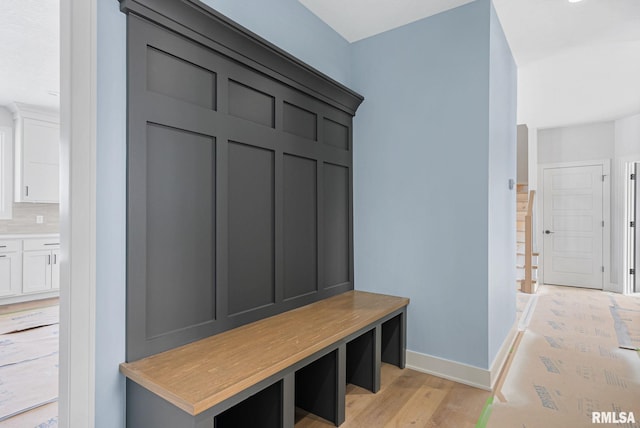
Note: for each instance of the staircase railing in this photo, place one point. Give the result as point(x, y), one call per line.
point(529, 285)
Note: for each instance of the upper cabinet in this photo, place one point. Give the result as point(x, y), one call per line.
point(6, 172)
point(37, 155)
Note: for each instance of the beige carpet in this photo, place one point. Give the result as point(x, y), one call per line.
point(568, 363)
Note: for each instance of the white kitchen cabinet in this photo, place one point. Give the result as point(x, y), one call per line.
point(40, 265)
point(37, 155)
point(10, 268)
point(36, 269)
point(29, 267)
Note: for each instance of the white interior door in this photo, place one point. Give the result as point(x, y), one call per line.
point(573, 226)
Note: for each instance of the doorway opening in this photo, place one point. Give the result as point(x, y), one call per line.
point(575, 232)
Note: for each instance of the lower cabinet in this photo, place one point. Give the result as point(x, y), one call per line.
point(10, 268)
point(40, 265)
point(29, 269)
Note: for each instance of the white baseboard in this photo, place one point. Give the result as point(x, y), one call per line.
point(460, 372)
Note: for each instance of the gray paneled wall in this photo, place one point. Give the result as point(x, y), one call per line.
point(239, 185)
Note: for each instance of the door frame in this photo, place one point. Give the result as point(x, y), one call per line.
point(606, 214)
point(631, 204)
point(78, 117)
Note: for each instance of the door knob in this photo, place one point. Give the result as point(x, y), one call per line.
point(547, 232)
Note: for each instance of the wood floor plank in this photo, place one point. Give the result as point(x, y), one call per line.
point(407, 398)
point(461, 407)
point(24, 306)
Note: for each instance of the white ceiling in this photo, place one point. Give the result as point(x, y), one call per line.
point(359, 19)
point(30, 52)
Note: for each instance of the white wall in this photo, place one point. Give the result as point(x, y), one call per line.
point(576, 143)
point(6, 117)
point(627, 136)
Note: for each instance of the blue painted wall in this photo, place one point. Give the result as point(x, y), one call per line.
point(424, 180)
point(502, 167)
point(420, 177)
point(110, 215)
point(292, 27)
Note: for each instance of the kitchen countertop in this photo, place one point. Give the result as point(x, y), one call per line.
point(29, 235)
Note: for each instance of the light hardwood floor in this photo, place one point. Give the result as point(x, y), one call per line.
point(407, 398)
point(24, 306)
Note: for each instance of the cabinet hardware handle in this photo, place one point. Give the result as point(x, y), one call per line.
point(55, 259)
point(52, 243)
point(48, 260)
point(2, 255)
point(3, 246)
point(26, 193)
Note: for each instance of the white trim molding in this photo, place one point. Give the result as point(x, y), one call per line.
point(460, 372)
point(77, 213)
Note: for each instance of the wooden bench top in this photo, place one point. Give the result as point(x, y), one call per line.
point(199, 375)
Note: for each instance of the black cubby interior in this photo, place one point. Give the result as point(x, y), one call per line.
point(361, 360)
point(317, 387)
point(264, 409)
point(391, 341)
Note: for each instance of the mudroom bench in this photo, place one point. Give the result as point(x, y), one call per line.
point(255, 375)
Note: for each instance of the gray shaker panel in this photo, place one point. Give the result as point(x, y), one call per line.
point(336, 225)
point(177, 78)
point(300, 122)
point(251, 227)
point(300, 231)
point(251, 104)
point(261, 240)
point(336, 134)
point(180, 230)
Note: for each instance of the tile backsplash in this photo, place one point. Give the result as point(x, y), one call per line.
point(24, 219)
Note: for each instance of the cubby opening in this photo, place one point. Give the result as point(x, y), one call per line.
point(264, 409)
point(361, 361)
point(392, 346)
point(317, 387)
